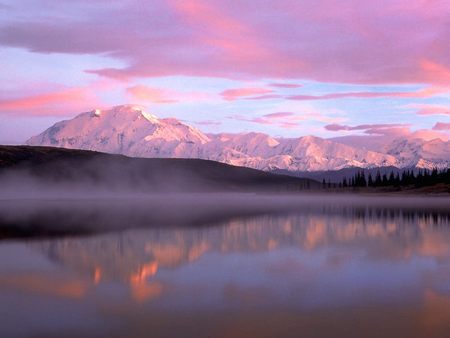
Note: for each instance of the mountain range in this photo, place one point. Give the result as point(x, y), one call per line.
point(131, 131)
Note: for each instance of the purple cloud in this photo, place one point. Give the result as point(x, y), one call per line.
point(357, 42)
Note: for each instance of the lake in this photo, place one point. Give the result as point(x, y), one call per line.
point(226, 266)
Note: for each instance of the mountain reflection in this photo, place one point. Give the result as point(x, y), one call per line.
point(137, 255)
point(322, 269)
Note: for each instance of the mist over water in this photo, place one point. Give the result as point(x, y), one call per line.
point(89, 214)
point(225, 265)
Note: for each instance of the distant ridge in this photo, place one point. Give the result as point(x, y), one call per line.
point(131, 131)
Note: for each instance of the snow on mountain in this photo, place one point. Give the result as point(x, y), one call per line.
point(306, 153)
point(129, 130)
point(124, 130)
point(420, 153)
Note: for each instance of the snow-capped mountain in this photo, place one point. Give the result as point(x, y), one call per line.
point(129, 130)
point(124, 130)
point(308, 153)
point(420, 153)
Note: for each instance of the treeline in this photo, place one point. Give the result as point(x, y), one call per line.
point(407, 178)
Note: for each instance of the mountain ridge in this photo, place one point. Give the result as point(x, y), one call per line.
point(131, 131)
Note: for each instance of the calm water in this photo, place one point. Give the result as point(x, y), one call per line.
point(320, 269)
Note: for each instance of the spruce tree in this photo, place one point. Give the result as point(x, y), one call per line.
point(370, 181)
point(384, 180)
point(363, 179)
point(397, 180)
point(391, 179)
point(378, 180)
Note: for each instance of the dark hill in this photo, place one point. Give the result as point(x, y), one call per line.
point(58, 166)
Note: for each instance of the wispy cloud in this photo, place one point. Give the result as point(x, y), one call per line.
point(394, 130)
point(441, 126)
point(422, 93)
point(269, 56)
point(328, 41)
point(385, 129)
point(237, 93)
point(265, 97)
point(150, 94)
point(284, 85)
point(279, 115)
point(430, 109)
point(284, 119)
point(208, 123)
point(339, 127)
point(63, 101)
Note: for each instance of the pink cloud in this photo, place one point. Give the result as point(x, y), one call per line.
point(285, 85)
point(265, 97)
point(431, 109)
point(373, 42)
point(285, 119)
point(146, 94)
point(234, 94)
point(427, 134)
point(52, 103)
point(150, 94)
point(332, 96)
point(435, 72)
point(393, 130)
point(422, 93)
point(388, 131)
point(208, 123)
point(441, 126)
point(281, 119)
point(278, 115)
point(381, 129)
point(340, 127)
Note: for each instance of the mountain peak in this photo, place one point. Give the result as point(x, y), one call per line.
point(124, 112)
point(311, 138)
point(130, 130)
point(127, 108)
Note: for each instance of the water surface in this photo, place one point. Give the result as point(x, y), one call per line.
point(314, 267)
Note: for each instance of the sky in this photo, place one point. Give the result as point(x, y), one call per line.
point(284, 67)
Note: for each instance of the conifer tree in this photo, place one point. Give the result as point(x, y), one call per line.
point(397, 180)
point(344, 182)
point(391, 179)
point(378, 180)
point(384, 180)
